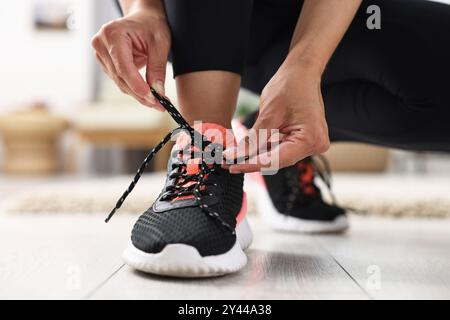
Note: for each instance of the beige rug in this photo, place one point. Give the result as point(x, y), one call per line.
point(384, 195)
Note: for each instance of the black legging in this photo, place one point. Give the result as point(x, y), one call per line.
point(389, 87)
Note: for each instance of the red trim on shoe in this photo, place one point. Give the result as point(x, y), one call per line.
point(214, 133)
point(306, 177)
point(242, 213)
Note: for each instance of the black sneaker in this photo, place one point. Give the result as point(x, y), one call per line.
point(197, 226)
point(290, 200)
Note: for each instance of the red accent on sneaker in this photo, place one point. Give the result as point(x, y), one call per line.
point(306, 177)
point(214, 133)
point(243, 211)
point(192, 166)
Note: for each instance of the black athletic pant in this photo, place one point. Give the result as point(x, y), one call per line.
point(389, 87)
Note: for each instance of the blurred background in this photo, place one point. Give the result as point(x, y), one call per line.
point(70, 143)
point(62, 120)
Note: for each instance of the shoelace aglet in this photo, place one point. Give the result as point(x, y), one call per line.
point(111, 214)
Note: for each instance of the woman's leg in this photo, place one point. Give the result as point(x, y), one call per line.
point(272, 26)
point(390, 86)
point(209, 96)
point(209, 48)
point(386, 87)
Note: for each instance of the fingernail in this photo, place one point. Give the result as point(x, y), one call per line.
point(151, 99)
point(159, 108)
point(155, 107)
point(159, 86)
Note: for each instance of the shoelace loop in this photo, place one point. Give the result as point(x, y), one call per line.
point(184, 187)
point(200, 177)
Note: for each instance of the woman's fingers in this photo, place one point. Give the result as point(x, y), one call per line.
point(125, 45)
point(122, 58)
point(256, 141)
point(156, 69)
point(108, 66)
point(119, 47)
point(282, 149)
point(288, 152)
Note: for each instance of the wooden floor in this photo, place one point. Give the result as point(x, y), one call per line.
point(78, 257)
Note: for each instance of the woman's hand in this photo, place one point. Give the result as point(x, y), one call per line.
point(125, 45)
point(292, 103)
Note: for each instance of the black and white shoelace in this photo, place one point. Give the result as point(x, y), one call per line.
point(201, 176)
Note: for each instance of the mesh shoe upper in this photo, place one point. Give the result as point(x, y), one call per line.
point(295, 197)
point(176, 217)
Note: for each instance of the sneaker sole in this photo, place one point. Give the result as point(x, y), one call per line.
point(282, 222)
point(181, 260)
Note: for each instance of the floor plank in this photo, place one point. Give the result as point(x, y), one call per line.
point(396, 259)
point(58, 257)
point(281, 266)
point(77, 256)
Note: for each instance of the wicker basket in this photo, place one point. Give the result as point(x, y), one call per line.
point(30, 139)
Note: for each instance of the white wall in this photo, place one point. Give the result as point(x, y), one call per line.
point(52, 66)
point(443, 1)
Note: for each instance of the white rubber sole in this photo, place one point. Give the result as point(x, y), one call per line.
point(181, 260)
point(282, 222)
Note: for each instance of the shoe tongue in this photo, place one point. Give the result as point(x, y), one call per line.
point(212, 131)
point(192, 166)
